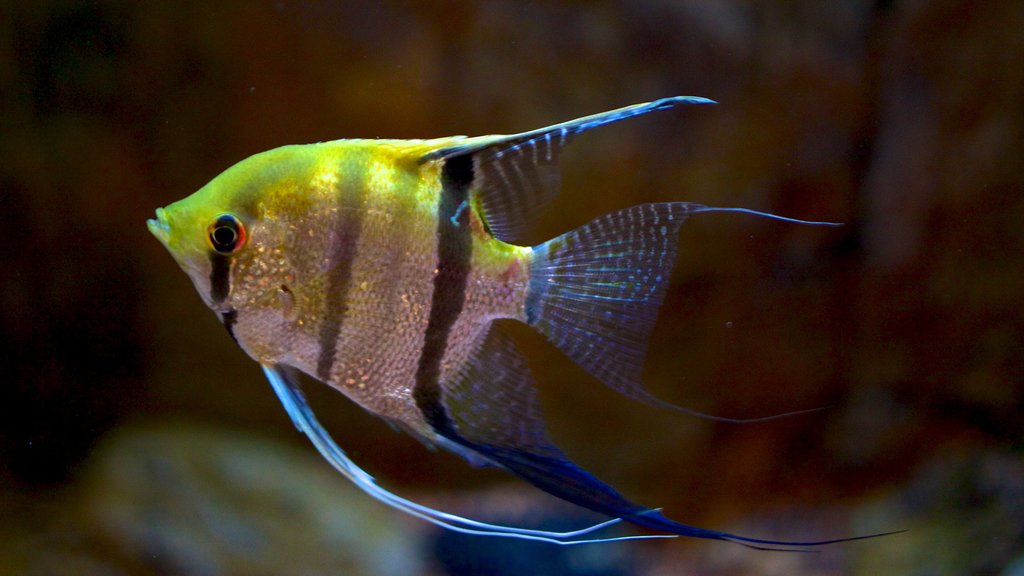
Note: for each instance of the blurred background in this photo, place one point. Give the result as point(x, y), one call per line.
point(135, 438)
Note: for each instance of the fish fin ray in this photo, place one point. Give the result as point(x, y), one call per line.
point(553, 472)
point(516, 175)
point(549, 470)
point(492, 399)
point(595, 293)
point(284, 380)
point(560, 477)
point(491, 409)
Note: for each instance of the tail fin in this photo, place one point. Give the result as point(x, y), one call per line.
point(595, 292)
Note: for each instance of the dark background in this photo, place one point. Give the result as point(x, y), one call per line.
point(137, 439)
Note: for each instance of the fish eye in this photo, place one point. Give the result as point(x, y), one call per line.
point(226, 234)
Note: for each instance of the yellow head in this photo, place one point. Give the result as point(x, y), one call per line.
point(264, 242)
point(207, 231)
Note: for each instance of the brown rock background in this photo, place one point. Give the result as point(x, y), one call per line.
point(903, 119)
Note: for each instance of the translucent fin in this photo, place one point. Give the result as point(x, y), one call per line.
point(515, 175)
point(562, 478)
point(556, 475)
point(286, 386)
point(595, 292)
point(493, 412)
point(492, 409)
point(492, 400)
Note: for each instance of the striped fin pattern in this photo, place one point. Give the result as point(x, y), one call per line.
point(517, 175)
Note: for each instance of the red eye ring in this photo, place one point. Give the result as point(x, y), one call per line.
point(226, 234)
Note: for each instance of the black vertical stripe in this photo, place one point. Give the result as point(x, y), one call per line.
point(229, 318)
point(220, 277)
point(454, 249)
point(342, 254)
point(220, 287)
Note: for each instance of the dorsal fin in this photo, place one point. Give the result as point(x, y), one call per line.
point(515, 175)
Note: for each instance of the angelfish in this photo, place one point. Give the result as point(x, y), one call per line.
point(379, 267)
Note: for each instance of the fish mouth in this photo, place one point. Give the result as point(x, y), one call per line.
point(160, 227)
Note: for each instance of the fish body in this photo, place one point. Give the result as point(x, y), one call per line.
point(339, 272)
point(380, 267)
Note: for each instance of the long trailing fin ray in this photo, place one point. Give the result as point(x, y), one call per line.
point(497, 369)
point(491, 408)
point(546, 469)
point(284, 381)
point(517, 174)
point(595, 292)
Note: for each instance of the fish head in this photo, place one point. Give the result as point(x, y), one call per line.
point(269, 243)
point(225, 234)
point(211, 224)
point(181, 228)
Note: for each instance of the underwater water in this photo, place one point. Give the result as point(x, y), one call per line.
point(137, 439)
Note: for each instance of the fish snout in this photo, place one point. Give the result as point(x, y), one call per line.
point(160, 227)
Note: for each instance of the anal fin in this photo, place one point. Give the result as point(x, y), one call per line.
point(491, 409)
